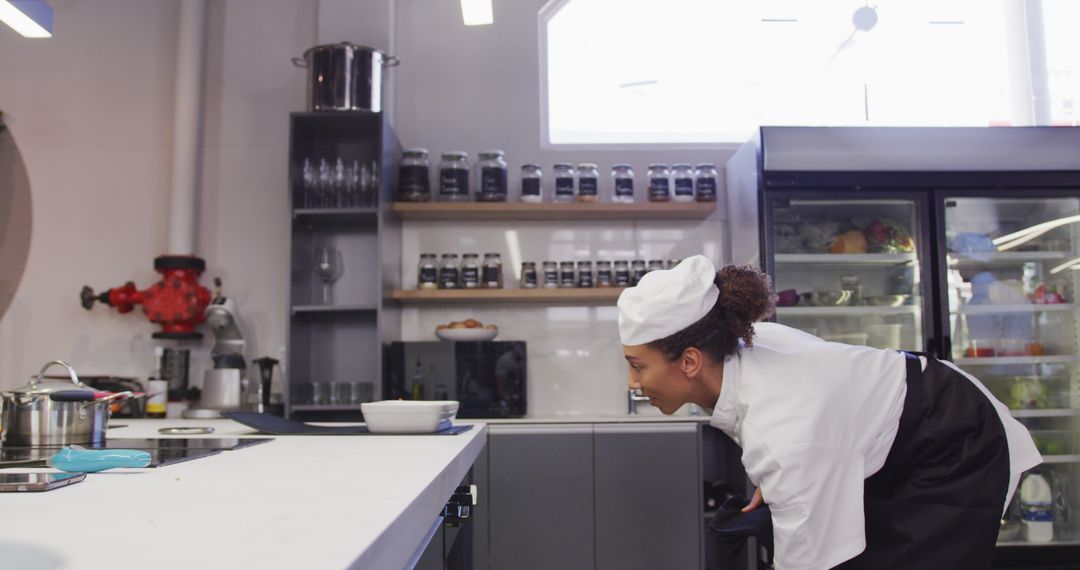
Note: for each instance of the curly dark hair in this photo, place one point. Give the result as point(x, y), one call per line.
point(746, 297)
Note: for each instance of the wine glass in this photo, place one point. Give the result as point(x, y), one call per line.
point(326, 184)
point(329, 267)
point(339, 184)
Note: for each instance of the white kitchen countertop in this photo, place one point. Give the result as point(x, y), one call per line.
point(600, 419)
point(309, 502)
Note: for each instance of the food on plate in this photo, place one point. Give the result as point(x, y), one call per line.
point(888, 236)
point(851, 241)
point(466, 324)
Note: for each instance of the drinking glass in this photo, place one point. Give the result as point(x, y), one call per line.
point(329, 267)
point(318, 393)
point(339, 183)
point(310, 189)
point(326, 184)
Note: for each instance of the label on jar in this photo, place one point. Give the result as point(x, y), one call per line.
point(564, 186)
point(624, 187)
point(492, 276)
point(429, 275)
point(530, 186)
point(448, 278)
point(529, 279)
point(622, 277)
point(493, 181)
point(587, 186)
point(637, 275)
point(470, 276)
point(453, 182)
point(585, 279)
point(706, 187)
point(551, 277)
point(566, 278)
point(414, 180)
point(603, 277)
point(684, 186)
point(659, 188)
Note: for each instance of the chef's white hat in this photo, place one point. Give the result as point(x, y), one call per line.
point(665, 302)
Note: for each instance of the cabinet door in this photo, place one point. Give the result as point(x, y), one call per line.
point(541, 498)
point(648, 497)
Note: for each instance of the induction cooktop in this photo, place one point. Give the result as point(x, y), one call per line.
point(163, 451)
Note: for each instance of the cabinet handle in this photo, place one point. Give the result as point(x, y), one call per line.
point(459, 508)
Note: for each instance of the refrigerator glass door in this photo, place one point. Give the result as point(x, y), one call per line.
point(1011, 269)
point(848, 270)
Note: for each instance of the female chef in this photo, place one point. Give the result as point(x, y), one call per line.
point(873, 458)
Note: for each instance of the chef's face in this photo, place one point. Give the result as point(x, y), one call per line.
point(665, 382)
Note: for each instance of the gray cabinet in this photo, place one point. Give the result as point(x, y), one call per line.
point(541, 497)
point(648, 483)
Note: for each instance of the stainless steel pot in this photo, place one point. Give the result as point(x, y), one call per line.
point(344, 77)
point(32, 417)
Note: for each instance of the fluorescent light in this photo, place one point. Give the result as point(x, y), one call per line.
point(1025, 235)
point(477, 12)
point(31, 18)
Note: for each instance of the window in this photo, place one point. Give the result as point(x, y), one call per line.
point(709, 71)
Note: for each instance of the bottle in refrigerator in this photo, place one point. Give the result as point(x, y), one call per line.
point(1036, 508)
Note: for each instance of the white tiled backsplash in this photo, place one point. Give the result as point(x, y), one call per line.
point(575, 361)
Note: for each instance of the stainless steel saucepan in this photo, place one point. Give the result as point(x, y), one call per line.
point(32, 416)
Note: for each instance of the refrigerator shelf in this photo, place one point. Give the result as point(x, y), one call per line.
point(1061, 459)
point(1031, 308)
point(846, 311)
point(1005, 258)
point(1026, 544)
point(1046, 413)
point(994, 360)
point(847, 258)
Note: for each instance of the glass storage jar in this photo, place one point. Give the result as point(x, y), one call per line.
point(604, 276)
point(683, 177)
point(659, 183)
point(493, 274)
point(414, 176)
point(705, 182)
point(449, 272)
point(470, 271)
point(564, 181)
point(551, 275)
point(528, 275)
point(588, 182)
point(655, 265)
point(622, 273)
point(622, 177)
point(454, 177)
point(427, 272)
point(637, 271)
point(671, 263)
point(584, 274)
point(491, 176)
point(532, 177)
point(567, 275)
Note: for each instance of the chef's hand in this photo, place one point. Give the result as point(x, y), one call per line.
point(755, 502)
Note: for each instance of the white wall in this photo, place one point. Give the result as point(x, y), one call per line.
point(91, 111)
point(478, 87)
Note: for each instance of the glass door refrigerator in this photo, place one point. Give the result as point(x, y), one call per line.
point(962, 243)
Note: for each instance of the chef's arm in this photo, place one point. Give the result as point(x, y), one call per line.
point(815, 495)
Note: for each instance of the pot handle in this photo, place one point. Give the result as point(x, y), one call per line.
point(391, 61)
point(299, 62)
point(71, 372)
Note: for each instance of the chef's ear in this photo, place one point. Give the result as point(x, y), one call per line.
point(691, 362)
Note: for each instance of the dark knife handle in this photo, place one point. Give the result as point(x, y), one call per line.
point(76, 395)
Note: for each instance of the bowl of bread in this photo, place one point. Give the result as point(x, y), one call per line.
point(467, 330)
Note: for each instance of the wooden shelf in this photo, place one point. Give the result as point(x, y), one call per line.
point(516, 211)
point(597, 296)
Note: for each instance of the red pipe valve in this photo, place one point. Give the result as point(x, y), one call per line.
point(177, 303)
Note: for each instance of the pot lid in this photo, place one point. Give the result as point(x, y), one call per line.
point(39, 384)
point(349, 45)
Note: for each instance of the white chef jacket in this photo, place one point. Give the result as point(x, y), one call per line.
point(814, 420)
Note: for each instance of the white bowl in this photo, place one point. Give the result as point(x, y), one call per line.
point(407, 416)
point(465, 335)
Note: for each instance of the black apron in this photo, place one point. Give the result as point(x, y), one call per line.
point(937, 501)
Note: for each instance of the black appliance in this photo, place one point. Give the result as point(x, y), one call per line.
point(488, 378)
